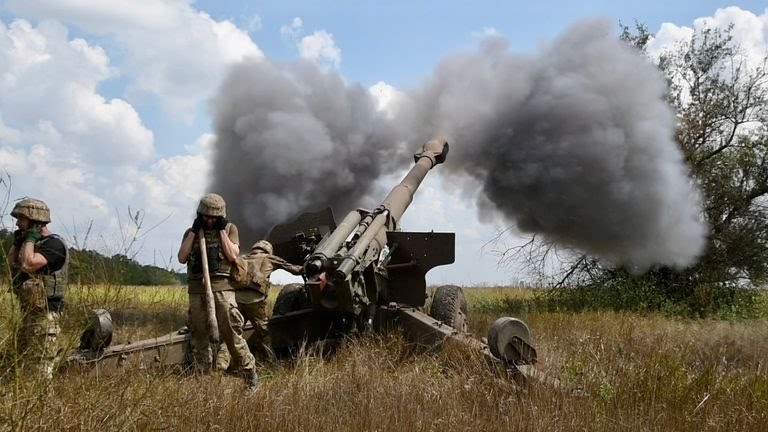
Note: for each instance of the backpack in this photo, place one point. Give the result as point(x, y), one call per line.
point(247, 273)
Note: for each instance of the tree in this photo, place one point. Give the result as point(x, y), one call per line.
point(722, 106)
point(721, 101)
point(91, 267)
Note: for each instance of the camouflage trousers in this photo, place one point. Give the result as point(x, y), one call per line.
point(230, 322)
point(258, 342)
point(37, 341)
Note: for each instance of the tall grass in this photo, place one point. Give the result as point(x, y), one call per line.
point(638, 372)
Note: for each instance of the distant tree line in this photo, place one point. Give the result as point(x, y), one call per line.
point(91, 267)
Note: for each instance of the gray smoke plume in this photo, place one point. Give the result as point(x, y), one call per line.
point(574, 143)
point(295, 138)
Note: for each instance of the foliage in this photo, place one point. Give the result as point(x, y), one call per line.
point(722, 105)
point(637, 372)
point(90, 267)
point(619, 290)
point(721, 100)
point(626, 293)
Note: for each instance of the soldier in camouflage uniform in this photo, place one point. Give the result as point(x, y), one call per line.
point(252, 290)
point(221, 238)
point(39, 262)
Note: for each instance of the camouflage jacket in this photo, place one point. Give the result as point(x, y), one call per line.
point(252, 271)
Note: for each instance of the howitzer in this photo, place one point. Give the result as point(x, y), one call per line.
point(365, 274)
point(361, 275)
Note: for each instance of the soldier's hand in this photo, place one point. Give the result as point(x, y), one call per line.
point(32, 234)
point(221, 223)
point(18, 238)
point(197, 225)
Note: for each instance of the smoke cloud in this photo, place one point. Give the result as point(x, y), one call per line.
point(574, 143)
point(294, 138)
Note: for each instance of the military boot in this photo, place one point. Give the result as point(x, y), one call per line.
point(251, 380)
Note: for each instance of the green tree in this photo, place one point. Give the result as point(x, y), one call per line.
point(721, 100)
point(722, 104)
point(90, 267)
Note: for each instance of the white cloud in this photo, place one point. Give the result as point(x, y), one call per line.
point(8, 135)
point(49, 97)
point(667, 37)
point(64, 143)
point(176, 182)
point(486, 32)
point(252, 23)
point(173, 52)
point(291, 32)
point(320, 47)
point(388, 99)
point(100, 15)
point(37, 53)
point(92, 159)
point(38, 172)
point(166, 194)
point(750, 31)
point(203, 145)
point(14, 160)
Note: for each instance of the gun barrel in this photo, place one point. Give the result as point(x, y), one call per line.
point(328, 247)
point(432, 153)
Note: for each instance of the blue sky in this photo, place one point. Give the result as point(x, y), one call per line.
point(400, 41)
point(105, 108)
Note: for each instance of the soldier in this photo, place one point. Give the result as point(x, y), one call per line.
point(39, 262)
point(252, 290)
point(222, 248)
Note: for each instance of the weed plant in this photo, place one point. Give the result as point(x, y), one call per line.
point(633, 372)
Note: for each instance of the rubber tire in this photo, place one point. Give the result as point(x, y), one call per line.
point(291, 298)
point(98, 332)
point(504, 344)
point(450, 307)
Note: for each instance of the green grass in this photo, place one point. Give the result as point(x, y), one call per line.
point(638, 372)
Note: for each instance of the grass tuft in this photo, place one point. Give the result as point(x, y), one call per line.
point(638, 371)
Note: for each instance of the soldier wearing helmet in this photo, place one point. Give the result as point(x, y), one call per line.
point(222, 247)
point(39, 262)
point(251, 280)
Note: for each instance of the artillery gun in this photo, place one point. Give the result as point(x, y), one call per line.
point(361, 275)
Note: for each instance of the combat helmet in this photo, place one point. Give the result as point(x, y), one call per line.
point(33, 209)
point(263, 245)
point(212, 205)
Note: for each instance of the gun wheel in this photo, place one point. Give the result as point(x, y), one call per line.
point(291, 298)
point(510, 340)
point(98, 331)
point(450, 307)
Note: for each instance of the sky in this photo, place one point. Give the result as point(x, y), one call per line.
point(120, 115)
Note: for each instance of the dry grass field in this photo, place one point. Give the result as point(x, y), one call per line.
point(636, 372)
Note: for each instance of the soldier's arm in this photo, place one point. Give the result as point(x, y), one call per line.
point(294, 269)
point(230, 239)
point(186, 246)
point(30, 260)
